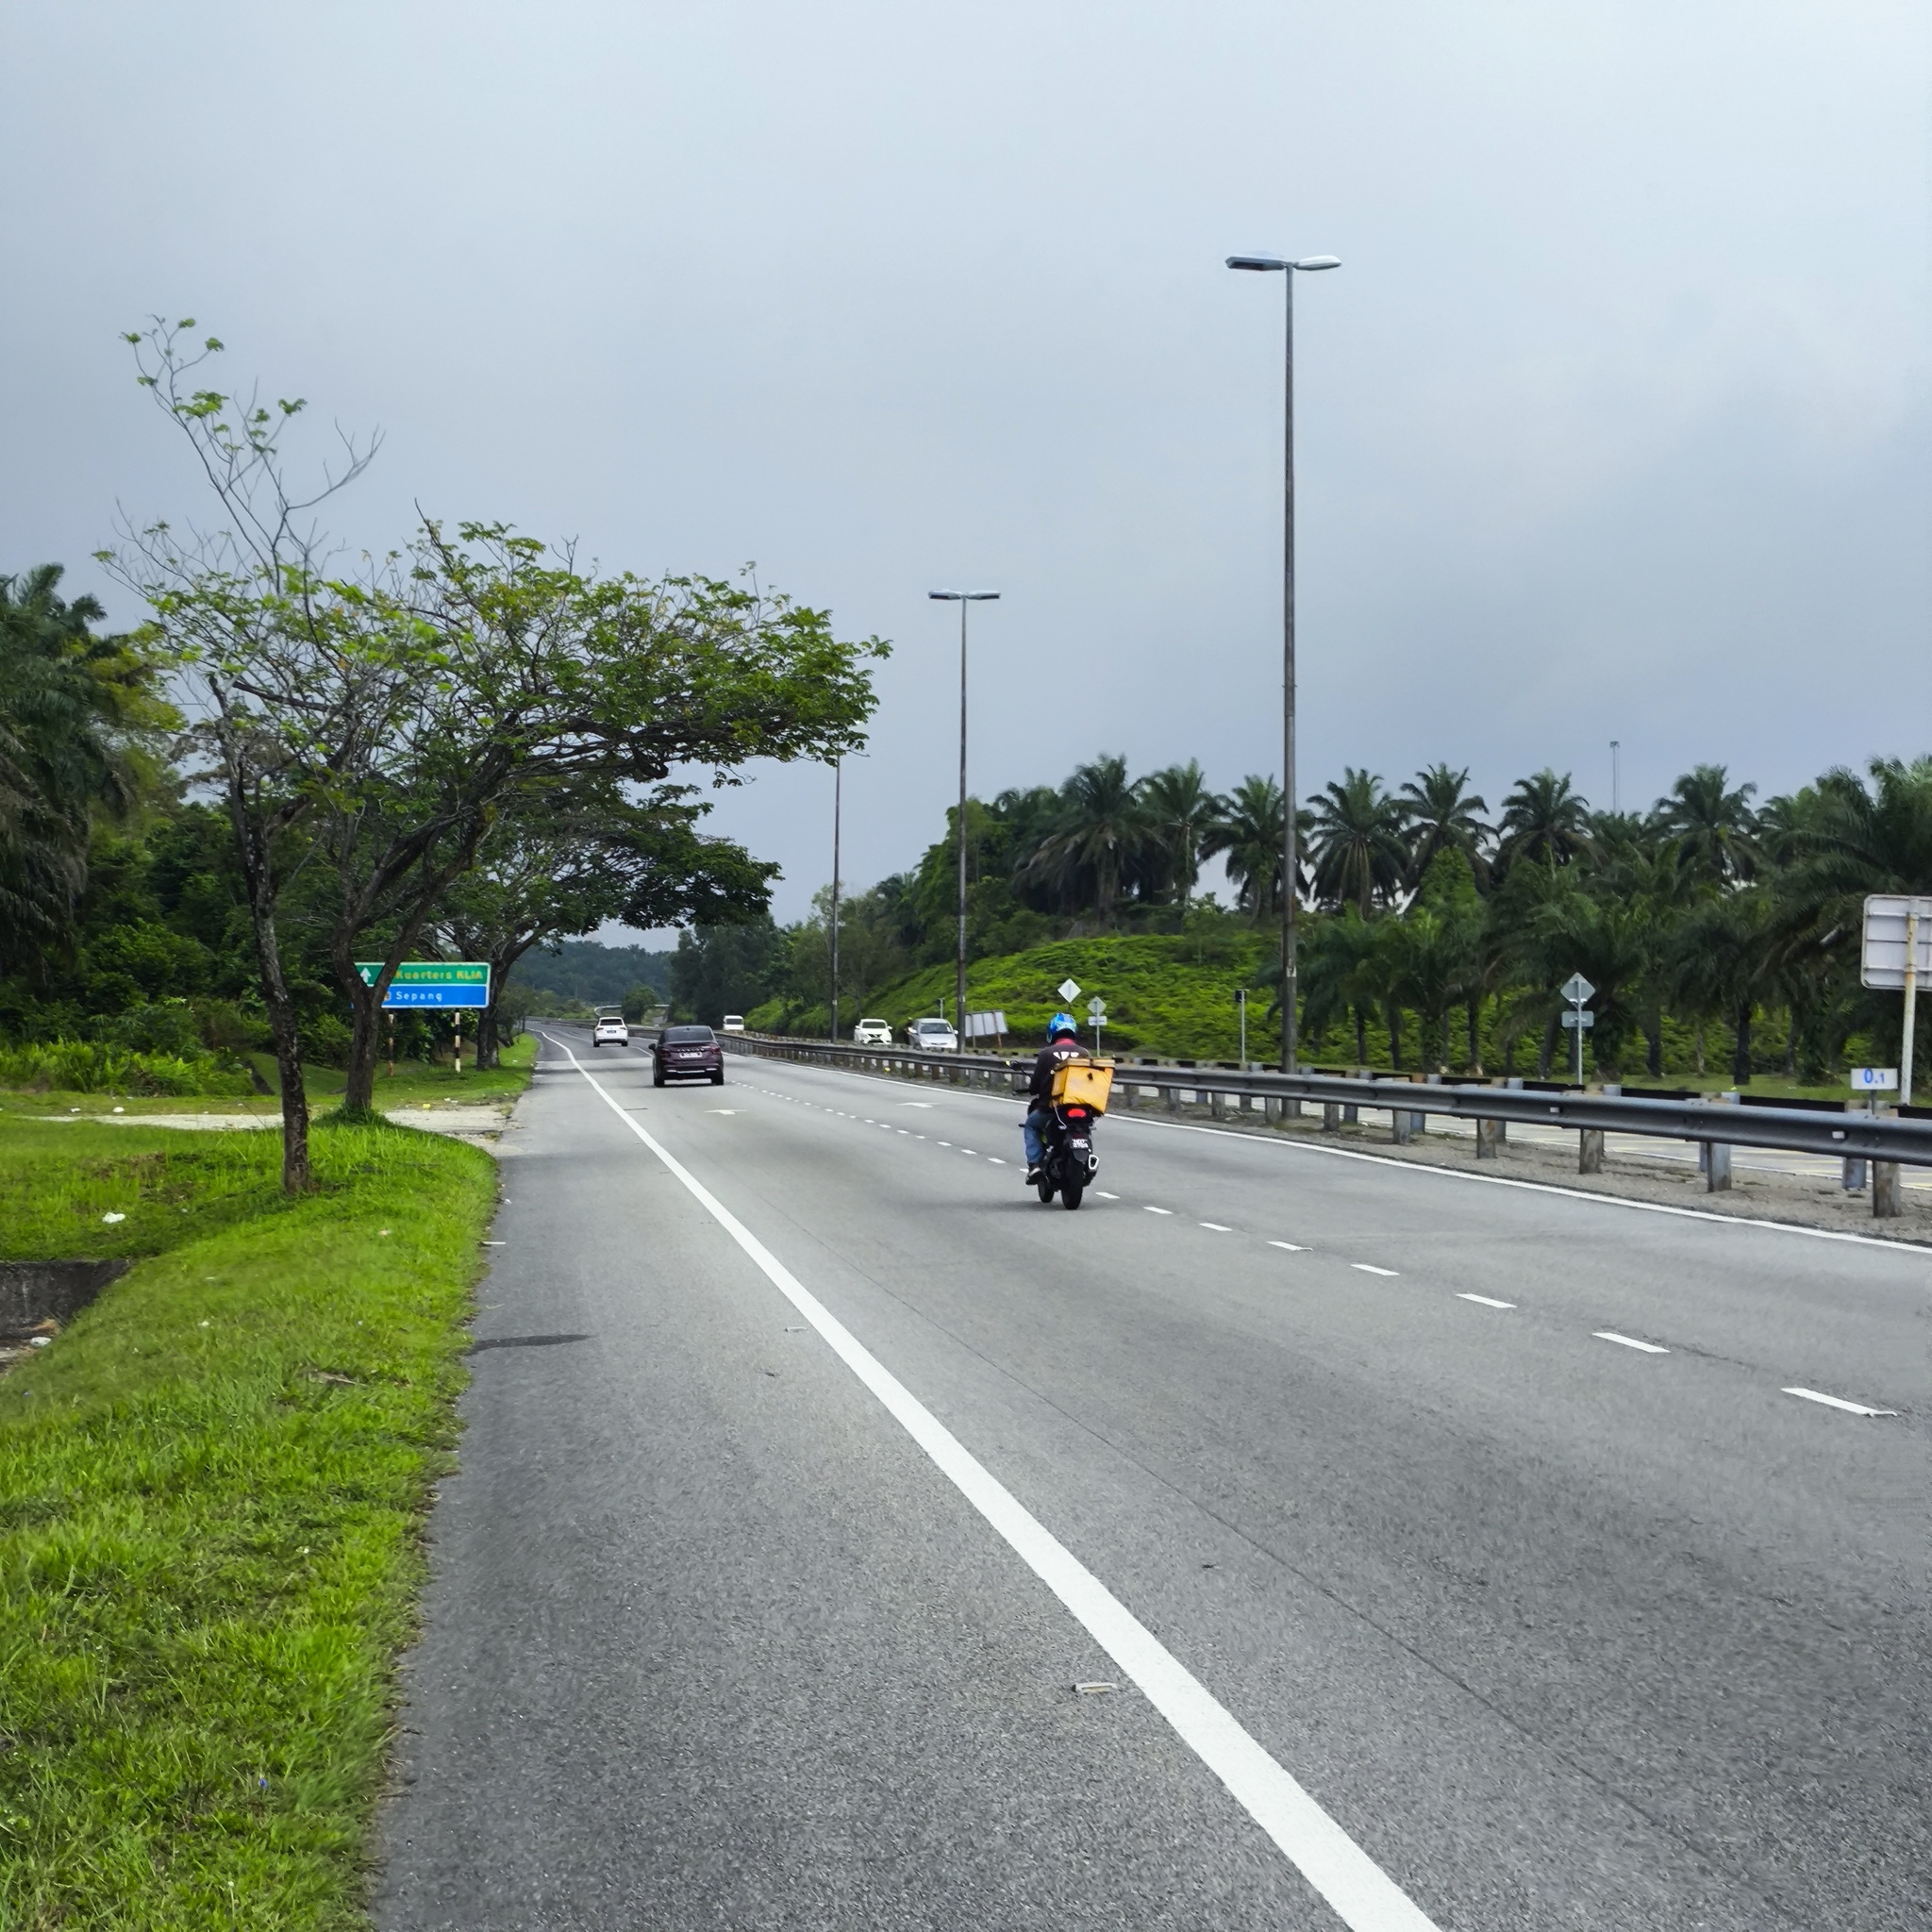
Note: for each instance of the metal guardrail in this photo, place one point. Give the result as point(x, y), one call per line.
point(1847, 1135)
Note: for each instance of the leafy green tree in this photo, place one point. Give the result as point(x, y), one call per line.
point(1725, 957)
point(1434, 950)
point(1355, 849)
point(1339, 971)
point(1249, 834)
point(727, 969)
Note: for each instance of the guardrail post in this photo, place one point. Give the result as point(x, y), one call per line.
point(1331, 1117)
point(1717, 1161)
point(1216, 1105)
point(1401, 1125)
point(1486, 1134)
point(1272, 1106)
point(1589, 1150)
point(1888, 1200)
point(1170, 1098)
point(1351, 1114)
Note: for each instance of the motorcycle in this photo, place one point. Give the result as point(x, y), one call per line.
point(1067, 1161)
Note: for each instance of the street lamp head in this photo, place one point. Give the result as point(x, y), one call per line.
point(1310, 262)
point(1256, 262)
point(964, 596)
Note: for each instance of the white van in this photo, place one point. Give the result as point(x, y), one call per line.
point(734, 1023)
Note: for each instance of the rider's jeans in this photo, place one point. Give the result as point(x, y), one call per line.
point(1033, 1122)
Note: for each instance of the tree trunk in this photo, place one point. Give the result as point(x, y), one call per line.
point(1700, 1047)
point(1548, 1050)
point(487, 1044)
point(259, 878)
point(1741, 1060)
point(1791, 1041)
point(1361, 1038)
point(1394, 1037)
point(365, 1042)
point(1475, 1034)
point(1654, 1045)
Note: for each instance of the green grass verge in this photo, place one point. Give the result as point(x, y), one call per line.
point(211, 1493)
point(414, 1085)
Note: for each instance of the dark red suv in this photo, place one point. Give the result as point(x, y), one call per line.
point(688, 1053)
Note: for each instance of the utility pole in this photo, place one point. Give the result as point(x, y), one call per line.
point(838, 785)
point(963, 598)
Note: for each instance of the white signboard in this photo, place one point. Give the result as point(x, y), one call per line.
point(985, 1025)
point(1070, 990)
point(1574, 1020)
point(1875, 1079)
point(1096, 1008)
point(1577, 989)
point(1882, 964)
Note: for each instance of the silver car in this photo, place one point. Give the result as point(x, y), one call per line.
point(932, 1036)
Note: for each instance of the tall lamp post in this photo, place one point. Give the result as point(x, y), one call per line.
point(838, 789)
point(1270, 265)
point(963, 598)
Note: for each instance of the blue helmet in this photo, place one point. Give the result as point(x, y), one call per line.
point(1061, 1022)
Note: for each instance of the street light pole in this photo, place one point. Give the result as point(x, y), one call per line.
point(963, 598)
point(838, 788)
point(1290, 1019)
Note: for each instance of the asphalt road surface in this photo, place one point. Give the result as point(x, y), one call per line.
point(1431, 1551)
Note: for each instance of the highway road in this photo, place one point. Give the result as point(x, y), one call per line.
point(1291, 1538)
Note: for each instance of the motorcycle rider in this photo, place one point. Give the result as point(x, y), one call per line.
point(1062, 1044)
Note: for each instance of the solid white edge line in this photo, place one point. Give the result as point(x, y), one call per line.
point(1630, 1341)
point(1458, 1174)
point(1363, 1896)
point(1838, 1402)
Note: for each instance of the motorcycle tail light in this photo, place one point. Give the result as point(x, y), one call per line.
point(1077, 1113)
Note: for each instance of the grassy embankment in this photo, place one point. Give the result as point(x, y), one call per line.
point(415, 1084)
point(1174, 995)
point(212, 1492)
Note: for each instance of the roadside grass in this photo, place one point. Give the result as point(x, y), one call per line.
point(211, 1493)
point(415, 1085)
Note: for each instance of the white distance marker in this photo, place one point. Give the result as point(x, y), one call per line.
point(1630, 1341)
point(1370, 1267)
point(1838, 1402)
point(1485, 1301)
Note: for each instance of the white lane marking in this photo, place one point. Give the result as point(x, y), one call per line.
point(1101, 1195)
point(1363, 1896)
point(1485, 1301)
point(721, 1109)
point(948, 1143)
point(904, 1130)
point(927, 1104)
point(969, 1150)
point(1158, 1210)
point(996, 1160)
point(1217, 1227)
point(1370, 1267)
point(1838, 1402)
point(1630, 1341)
point(1289, 1246)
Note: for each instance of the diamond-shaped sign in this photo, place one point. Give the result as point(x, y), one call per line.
point(1577, 989)
point(1069, 989)
point(1096, 1007)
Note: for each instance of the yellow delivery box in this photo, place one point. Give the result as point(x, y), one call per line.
point(1083, 1083)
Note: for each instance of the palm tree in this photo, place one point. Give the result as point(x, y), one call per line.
point(1714, 828)
point(1357, 849)
point(1544, 818)
point(65, 696)
point(1099, 834)
point(1249, 831)
point(1438, 815)
point(1180, 810)
point(1338, 975)
point(1725, 960)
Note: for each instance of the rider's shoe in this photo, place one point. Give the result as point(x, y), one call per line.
point(1033, 1176)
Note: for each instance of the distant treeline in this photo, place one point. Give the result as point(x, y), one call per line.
point(590, 974)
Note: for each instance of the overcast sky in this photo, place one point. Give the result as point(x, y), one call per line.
point(1615, 423)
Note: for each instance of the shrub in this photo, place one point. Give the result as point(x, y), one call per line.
point(87, 1066)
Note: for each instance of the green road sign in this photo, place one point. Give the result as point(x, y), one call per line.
point(431, 982)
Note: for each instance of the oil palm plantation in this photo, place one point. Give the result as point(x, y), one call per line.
point(1713, 824)
point(1544, 818)
point(1356, 848)
point(1249, 834)
point(1180, 810)
point(1101, 832)
point(1439, 815)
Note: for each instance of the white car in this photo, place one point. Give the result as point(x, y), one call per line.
point(932, 1036)
point(733, 1023)
point(871, 1033)
point(610, 1031)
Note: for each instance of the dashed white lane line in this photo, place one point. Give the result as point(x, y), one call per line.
point(1288, 1247)
point(1158, 1210)
point(1485, 1301)
point(1630, 1341)
point(1370, 1267)
point(1217, 1227)
point(1101, 1195)
point(1838, 1402)
point(1363, 1895)
point(996, 1160)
